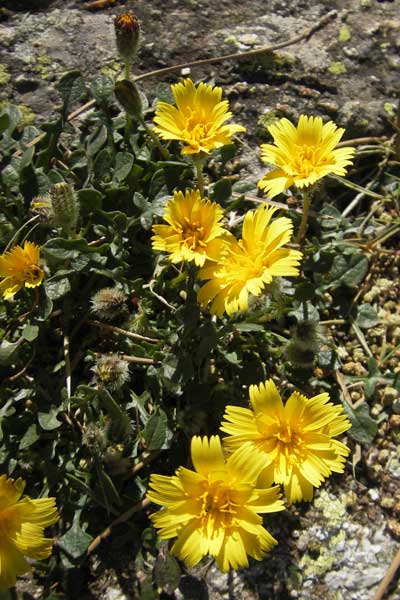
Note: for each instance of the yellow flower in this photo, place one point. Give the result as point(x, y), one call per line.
point(198, 118)
point(303, 154)
point(22, 522)
point(244, 267)
point(293, 443)
point(214, 509)
point(194, 224)
point(20, 267)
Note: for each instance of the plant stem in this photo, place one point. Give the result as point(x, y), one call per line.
point(304, 216)
point(198, 162)
point(164, 152)
point(127, 70)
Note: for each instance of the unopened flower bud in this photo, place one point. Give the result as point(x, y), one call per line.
point(112, 371)
point(127, 34)
point(42, 206)
point(65, 206)
point(109, 303)
point(128, 96)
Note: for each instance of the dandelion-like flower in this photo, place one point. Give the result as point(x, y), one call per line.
point(194, 223)
point(244, 267)
point(303, 154)
point(19, 267)
point(293, 443)
point(214, 510)
point(198, 120)
point(22, 522)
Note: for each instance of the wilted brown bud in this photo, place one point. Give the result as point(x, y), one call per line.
point(128, 96)
point(42, 206)
point(127, 34)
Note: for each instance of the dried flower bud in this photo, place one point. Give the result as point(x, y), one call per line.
point(304, 345)
point(109, 303)
point(112, 371)
point(42, 206)
point(65, 206)
point(127, 34)
point(128, 96)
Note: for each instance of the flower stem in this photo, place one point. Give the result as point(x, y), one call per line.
point(164, 152)
point(304, 216)
point(127, 70)
point(198, 161)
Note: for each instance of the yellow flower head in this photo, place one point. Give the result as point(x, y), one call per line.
point(20, 267)
point(244, 267)
point(214, 510)
point(22, 522)
point(198, 118)
point(303, 154)
point(293, 443)
point(194, 224)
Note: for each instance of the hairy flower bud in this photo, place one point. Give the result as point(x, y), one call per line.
point(127, 35)
point(112, 371)
point(128, 96)
point(109, 303)
point(65, 206)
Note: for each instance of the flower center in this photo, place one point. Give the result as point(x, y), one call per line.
point(216, 505)
point(306, 159)
point(290, 443)
point(193, 234)
point(33, 274)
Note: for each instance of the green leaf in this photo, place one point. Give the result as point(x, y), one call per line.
point(222, 190)
point(123, 165)
point(89, 199)
point(75, 541)
point(4, 122)
point(96, 140)
point(367, 316)
point(108, 489)
point(48, 421)
point(63, 249)
point(102, 88)
point(363, 427)
point(103, 163)
point(72, 89)
point(14, 116)
point(30, 332)
point(57, 288)
point(156, 433)
point(30, 436)
point(350, 270)
point(8, 352)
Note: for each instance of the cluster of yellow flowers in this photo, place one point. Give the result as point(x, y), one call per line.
point(214, 510)
point(235, 268)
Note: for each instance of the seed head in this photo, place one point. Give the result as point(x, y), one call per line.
point(109, 303)
point(112, 371)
